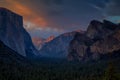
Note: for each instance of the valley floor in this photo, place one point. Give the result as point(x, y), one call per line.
point(61, 70)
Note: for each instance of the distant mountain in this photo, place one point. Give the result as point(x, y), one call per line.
point(39, 42)
point(99, 39)
point(14, 35)
point(49, 39)
point(58, 47)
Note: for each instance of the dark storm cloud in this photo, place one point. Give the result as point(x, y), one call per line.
point(45, 8)
point(108, 7)
point(113, 8)
point(59, 2)
point(54, 13)
point(51, 2)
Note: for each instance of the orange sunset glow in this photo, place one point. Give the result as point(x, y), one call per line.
point(26, 12)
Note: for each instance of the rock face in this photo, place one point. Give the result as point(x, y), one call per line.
point(99, 39)
point(97, 30)
point(58, 47)
point(79, 47)
point(13, 34)
point(107, 45)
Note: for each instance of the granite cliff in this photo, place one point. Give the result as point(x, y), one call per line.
point(13, 34)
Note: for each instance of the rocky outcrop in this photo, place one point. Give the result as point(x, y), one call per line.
point(97, 30)
point(13, 34)
point(107, 45)
point(99, 39)
point(79, 47)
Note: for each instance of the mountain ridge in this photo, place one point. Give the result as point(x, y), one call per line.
point(58, 46)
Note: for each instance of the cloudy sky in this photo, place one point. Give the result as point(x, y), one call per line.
point(43, 18)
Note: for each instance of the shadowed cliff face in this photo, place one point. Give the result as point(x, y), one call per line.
point(13, 34)
point(99, 39)
point(108, 44)
point(79, 46)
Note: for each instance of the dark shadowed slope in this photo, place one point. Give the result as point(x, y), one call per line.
point(9, 56)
